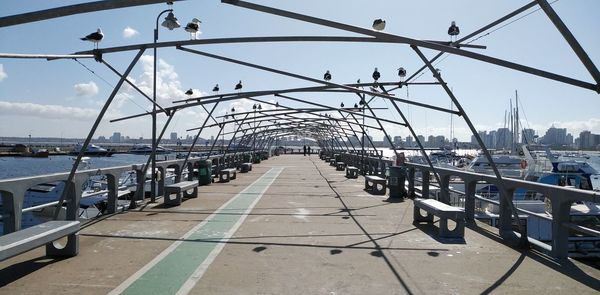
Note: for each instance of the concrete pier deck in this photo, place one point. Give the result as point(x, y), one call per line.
point(293, 225)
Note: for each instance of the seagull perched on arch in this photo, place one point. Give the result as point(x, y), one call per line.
point(193, 28)
point(94, 37)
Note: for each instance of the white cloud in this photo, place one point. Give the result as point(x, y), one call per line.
point(129, 32)
point(3, 74)
point(46, 111)
point(168, 86)
point(576, 127)
point(86, 89)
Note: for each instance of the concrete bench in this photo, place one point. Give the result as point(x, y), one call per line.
point(351, 172)
point(332, 162)
point(373, 182)
point(178, 189)
point(225, 175)
point(444, 212)
point(245, 167)
point(339, 166)
point(21, 241)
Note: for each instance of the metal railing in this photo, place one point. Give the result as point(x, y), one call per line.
point(13, 191)
point(560, 198)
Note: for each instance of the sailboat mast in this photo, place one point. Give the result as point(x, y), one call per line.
point(512, 126)
point(517, 128)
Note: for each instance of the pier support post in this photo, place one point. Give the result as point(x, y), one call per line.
point(72, 195)
point(12, 204)
point(190, 176)
point(470, 188)
point(411, 182)
point(444, 189)
point(560, 234)
point(505, 220)
point(426, 175)
point(112, 186)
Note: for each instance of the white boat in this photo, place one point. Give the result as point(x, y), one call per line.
point(145, 149)
point(92, 150)
point(508, 165)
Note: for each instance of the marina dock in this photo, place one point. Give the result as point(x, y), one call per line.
point(251, 210)
point(293, 225)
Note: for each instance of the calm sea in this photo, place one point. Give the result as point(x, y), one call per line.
point(12, 167)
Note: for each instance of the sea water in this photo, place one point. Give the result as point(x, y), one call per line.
point(14, 167)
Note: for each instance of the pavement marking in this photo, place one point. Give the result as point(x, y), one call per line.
point(179, 267)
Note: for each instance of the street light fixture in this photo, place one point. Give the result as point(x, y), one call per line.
point(170, 23)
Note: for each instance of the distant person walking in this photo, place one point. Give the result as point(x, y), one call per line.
point(309, 150)
point(305, 150)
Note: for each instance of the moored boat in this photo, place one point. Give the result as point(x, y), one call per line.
point(92, 150)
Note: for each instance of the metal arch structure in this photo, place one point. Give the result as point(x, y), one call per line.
point(337, 126)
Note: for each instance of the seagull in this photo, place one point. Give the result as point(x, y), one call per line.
point(453, 30)
point(238, 86)
point(358, 82)
point(327, 76)
point(193, 28)
point(216, 88)
point(356, 106)
point(378, 24)
point(95, 37)
point(189, 92)
point(376, 75)
point(401, 72)
point(341, 105)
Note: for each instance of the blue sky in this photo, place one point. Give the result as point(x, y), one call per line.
point(61, 98)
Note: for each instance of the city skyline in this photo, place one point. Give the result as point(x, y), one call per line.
point(494, 139)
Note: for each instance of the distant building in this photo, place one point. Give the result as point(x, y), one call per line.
point(409, 141)
point(116, 137)
point(430, 141)
point(440, 141)
point(503, 138)
point(569, 139)
point(421, 139)
point(588, 141)
point(173, 136)
point(555, 136)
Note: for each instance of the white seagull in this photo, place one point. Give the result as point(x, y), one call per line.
point(378, 25)
point(95, 37)
point(193, 28)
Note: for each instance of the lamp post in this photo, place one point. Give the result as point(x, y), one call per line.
point(223, 132)
point(254, 107)
point(170, 23)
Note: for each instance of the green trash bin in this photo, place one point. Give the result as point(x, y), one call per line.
point(205, 172)
point(247, 158)
point(338, 157)
point(396, 179)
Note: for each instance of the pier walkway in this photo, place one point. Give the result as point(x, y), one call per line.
point(293, 225)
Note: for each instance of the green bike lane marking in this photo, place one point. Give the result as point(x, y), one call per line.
point(177, 269)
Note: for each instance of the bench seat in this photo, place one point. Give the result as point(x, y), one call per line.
point(178, 188)
point(21, 241)
point(373, 182)
point(225, 175)
point(340, 166)
point(351, 172)
point(245, 167)
point(444, 212)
